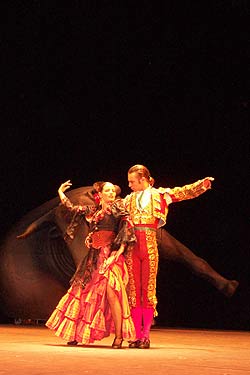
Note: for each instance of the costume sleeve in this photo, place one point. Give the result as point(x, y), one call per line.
point(126, 234)
point(78, 214)
point(187, 191)
point(81, 210)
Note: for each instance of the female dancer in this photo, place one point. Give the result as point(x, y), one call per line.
point(96, 303)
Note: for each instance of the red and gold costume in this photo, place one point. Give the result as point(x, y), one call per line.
point(83, 313)
point(148, 211)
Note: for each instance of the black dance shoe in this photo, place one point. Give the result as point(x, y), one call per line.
point(117, 343)
point(144, 344)
point(72, 343)
point(134, 344)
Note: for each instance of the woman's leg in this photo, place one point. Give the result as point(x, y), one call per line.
point(116, 311)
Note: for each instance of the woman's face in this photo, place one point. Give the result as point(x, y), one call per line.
point(108, 193)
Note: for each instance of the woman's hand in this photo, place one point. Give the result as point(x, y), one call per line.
point(114, 256)
point(118, 252)
point(64, 186)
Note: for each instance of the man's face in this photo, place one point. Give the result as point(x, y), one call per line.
point(134, 182)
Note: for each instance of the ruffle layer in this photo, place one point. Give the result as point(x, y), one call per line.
point(84, 315)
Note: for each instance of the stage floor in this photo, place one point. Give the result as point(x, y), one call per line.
point(36, 350)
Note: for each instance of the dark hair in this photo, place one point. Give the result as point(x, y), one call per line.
point(98, 186)
point(142, 171)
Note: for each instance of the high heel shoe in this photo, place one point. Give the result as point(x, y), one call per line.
point(72, 343)
point(117, 343)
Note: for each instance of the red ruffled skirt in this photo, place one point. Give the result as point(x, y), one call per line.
point(84, 315)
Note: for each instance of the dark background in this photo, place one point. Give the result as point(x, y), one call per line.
point(89, 90)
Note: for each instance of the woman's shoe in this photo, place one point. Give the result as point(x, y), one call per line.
point(74, 342)
point(117, 343)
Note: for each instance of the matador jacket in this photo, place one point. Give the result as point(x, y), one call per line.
point(156, 207)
